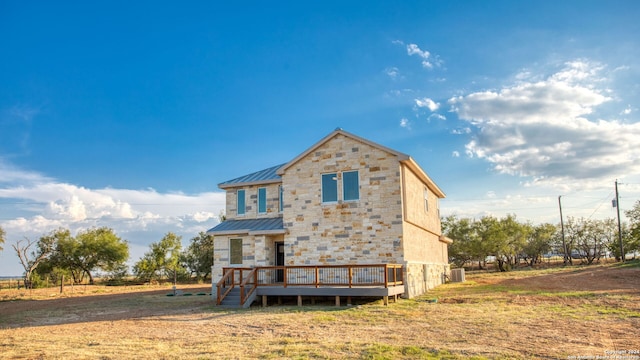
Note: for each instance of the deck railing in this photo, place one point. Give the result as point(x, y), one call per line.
point(248, 279)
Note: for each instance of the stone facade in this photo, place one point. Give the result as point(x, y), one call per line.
point(394, 219)
point(363, 231)
point(251, 201)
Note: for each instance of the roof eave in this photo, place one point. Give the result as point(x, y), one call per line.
point(413, 166)
point(225, 186)
point(247, 232)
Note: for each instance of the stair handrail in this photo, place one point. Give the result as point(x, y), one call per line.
point(251, 279)
point(229, 273)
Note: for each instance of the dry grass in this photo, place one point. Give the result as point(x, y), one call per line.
point(547, 314)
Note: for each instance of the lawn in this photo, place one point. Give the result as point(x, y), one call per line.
point(556, 313)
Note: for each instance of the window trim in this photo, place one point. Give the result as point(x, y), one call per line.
point(264, 203)
point(244, 202)
point(334, 179)
point(344, 185)
point(231, 241)
point(426, 199)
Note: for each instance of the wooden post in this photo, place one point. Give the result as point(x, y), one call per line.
point(299, 300)
point(279, 300)
point(386, 276)
point(348, 300)
point(385, 300)
point(264, 300)
point(337, 300)
point(61, 284)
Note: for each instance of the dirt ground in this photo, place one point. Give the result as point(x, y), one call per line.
point(552, 314)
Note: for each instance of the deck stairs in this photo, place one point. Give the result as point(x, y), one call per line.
point(232, 300)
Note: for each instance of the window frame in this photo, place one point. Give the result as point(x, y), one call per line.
point(426, 199)
point(231, 252)
point(244, 202)
point(357, 185)
point(334, 179)
point(262, 200)
point(280, 198)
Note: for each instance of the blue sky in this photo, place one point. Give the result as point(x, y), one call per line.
point(128, 115)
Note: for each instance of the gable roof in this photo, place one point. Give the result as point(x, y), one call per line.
point(336, 132)
point(262, 226)
point(266, 176)
point(274, 174)
point(402, 158)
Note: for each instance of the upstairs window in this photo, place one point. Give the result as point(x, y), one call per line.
point(329, 187)
point(262, 200)
point(281, 194)
point(240, 194)
point(350, 186)
point(426, 200)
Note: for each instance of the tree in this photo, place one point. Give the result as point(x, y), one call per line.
point(467, 245)
point(198, 257)
point(588, 239)
point(633, 238)
point(539, 242)
point(162, 260)
point(492, 238)
point(31, 260)
point(97, 248)
point(2, 235)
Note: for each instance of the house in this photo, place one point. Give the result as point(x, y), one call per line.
point(344, 202)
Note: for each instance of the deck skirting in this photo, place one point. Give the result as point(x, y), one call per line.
point(329, 291)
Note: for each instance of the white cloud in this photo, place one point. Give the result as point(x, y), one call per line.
point(627, 110)
point(428, 103)
point(461, 131)
point(437, 117)
point(540, 129)
point(428, 61)
point(404, 123)
point(455, 154)
point(139, 216)
point(413, 49)
point(392, 72)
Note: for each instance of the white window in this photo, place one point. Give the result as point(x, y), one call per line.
point(240, 194)
point(329, 187)
point(426, 200)
point(235, 251)
point(350, 185)
point(262, 200)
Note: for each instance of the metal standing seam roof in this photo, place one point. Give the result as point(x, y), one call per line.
point(259, 177)
point(243, 226)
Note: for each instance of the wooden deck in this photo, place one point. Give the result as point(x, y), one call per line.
point(241, 286)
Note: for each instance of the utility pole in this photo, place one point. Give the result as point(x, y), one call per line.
point(619, 227)
point(564, 245)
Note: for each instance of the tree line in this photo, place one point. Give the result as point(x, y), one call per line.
point(509, 242)
point(60, 255)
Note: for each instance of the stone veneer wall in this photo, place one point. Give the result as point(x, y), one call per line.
point(422, 276)
point(426, 257)
point(251, 202)
point(257, 250)
point(366, 231)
